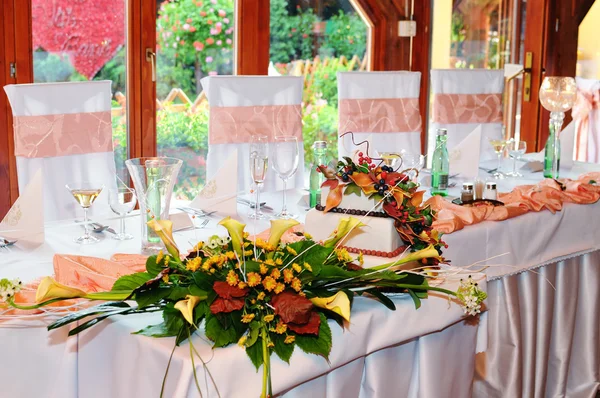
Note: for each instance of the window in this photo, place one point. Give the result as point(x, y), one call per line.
point(317, 39)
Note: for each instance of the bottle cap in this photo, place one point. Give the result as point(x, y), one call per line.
point(442, 131)
point(490, 185)
point(320, 145)
point(468, 186)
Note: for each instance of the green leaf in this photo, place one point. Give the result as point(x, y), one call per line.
point(219, 335)
point(178, 293)
point(348, 160)
point(382, 298)
point(173, 320)
point(145, 298)
point(95, 310)
point(88, 324)
point(363, 169)
point(352, 189)
point(283, 351)
point(203, 281)
point(196, 291)
point(132, 281)
point(152, 267)
point(321, 344)
point(253, 335)
point(415, 298)
point(376, 197)
point(255, 354)
point(159, 330)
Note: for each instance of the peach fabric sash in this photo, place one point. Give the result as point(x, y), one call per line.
point(89, 274)
point(547, 195)
point(587, 133)
point(467, 108)
point(380, 115)
point(63, 134)
point(237, 124)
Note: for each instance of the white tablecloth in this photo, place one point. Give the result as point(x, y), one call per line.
point(382, 354)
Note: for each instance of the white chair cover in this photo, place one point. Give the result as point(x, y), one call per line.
point(65, 130)
point(464, 99)
point(586, 114)
point(383, 105)
point(242, 106)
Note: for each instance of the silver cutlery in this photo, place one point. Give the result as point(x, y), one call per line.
point(98, 228)
point(252, 205)
point(488, 170)
point(196, 212)
point(5, 242)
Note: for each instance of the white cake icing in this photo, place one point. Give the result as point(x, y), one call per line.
point(379, 233)
point(352, 201)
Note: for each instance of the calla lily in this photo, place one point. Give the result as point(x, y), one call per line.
point(338, 303)
point(164, 230)
point(236, 233)
point(344, 227)
point(428, 252)
point(187, 307)
point(278, 228)
point(50, 289)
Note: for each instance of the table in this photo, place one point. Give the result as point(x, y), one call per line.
point(384, 353)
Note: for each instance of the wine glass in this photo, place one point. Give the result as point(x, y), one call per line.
point(259, 163)
point(85, 193)
point(285, 163)
point(122, 201)
point(516, 149)
point(414, 161)
point(558, 95)
point(390, 159)
point(498, 145)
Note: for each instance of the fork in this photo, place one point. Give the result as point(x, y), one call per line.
point(5, 243)
point(196, 212)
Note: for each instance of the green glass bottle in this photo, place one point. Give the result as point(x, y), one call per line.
point(317, 178)
point(550, 151)
point(440, 167)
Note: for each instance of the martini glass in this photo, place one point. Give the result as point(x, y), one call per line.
point(85, 193)
point(498, 146)
point(391, 159)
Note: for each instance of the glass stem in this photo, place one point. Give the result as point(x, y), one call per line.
point(122, 225)
point(284, 207)
point(257, 205)
point(85, 223)
point(499, 162)
point(556, 122)
point(514, 165)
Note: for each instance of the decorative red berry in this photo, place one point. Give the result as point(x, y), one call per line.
point(372, 165)
point(367, 159)
point(318, 169)
point(361, 160)
point(360, 154)
point(383, 175)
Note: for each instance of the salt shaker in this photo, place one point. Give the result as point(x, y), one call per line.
point(490, 192)
point(467, 193)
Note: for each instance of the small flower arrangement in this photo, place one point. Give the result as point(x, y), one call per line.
point(263, 295)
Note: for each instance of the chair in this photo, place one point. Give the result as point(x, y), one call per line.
point(243, 106)
point(382, 106)
point(65, 130)
point(464, 99)
point(586, 114)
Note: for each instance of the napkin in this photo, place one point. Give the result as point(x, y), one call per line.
point(24, 221)
point(220, 193)
point(464, 157)
point(181, 221)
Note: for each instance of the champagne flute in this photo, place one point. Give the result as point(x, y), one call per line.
point(122, 201)
point(498, 146)
point(285, 163)
point(259, 163)
point(85, 193)
point(516, 149)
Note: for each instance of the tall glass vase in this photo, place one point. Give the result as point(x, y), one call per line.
point(153, 179)
point(556, 122)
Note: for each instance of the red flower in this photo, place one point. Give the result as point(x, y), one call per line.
point(311, 327)
point(230, 298)
point(304, 35)
point(225, 290)
point(226, 305)
point(292, 308)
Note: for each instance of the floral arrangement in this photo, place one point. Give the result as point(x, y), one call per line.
point(265, 295)
point(400, 198)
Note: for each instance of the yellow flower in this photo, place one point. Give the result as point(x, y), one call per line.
point(361, 258)
point(165, 278)
point(308, 267)
point(296, 284)
point(248, 253)
point(269, 318)
point(308, 236)
point(247, 318)
point(164, 230)
point(166, 261)
point(288, 275)
point(253, 279)
point(261, 296)
point(242, 340)
point(246, 244)
point(212, 270)
point(428, 252)
point(275, 273)
point(198, 247)
point(281, 328)
point(232, 278)
point(269, 283)
point(345, 226)
point(50, 289)
point(236, 233)
point(280, 288)
point(242, 285)
point(278, 228)
point(270, 344)
point(263, 269)
point(297, 267)
point(187, 307)
point(289, 339)
point(270, 262)
point(246, 235)
point(159, 257)
point(279, 262)
point(291, 251)
point(343, 255)
point(230, 255)
point(193, 264)
point(338, 303)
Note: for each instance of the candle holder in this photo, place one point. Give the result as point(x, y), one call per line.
point(557, 94)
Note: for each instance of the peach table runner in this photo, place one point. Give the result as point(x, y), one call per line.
point(548, 194)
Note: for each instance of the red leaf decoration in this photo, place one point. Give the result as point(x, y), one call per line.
point(226, 305)
point(331, 184)
point(226, 291)
point(334, 198)
point(395, 178)
point(417, 198)
point(392, 210)
point(362, 179)
point(292, 308)
point(311, 327)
